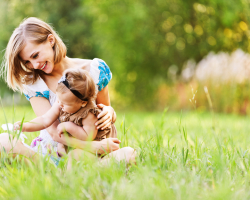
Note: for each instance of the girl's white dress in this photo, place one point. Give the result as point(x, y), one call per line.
point(101, 75)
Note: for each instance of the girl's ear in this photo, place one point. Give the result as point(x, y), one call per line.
point(84, 103)
point(51, 39)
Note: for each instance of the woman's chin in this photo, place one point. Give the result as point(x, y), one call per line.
point(48, 69)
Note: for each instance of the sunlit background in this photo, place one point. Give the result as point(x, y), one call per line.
point(162, 53)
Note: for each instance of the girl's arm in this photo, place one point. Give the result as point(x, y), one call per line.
point(41, 105)
point(43, 121)
point(85, 132)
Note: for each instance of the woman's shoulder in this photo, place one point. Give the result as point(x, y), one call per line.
point(82, 63)
point(98, 69)
point(100, 72)
point(36, 89)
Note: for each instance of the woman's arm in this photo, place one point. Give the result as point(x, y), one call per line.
point(41, 105)
point(85, 132)
point(103, 97)
point(100, 147)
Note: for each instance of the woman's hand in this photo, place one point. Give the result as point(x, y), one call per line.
point(105, 117)
point(106, 145)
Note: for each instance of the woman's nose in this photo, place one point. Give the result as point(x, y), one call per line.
point(35, 64)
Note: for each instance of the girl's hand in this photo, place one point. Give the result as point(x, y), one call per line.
point(107, 145)
point(17, 125)
point(64, 127)
point(61, 129)
point(105, 117)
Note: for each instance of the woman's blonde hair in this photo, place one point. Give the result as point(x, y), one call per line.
point(81, 81)
point(33, 30)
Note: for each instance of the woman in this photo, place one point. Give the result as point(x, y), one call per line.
point(35, 61)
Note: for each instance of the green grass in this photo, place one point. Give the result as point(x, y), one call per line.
point(180, 156)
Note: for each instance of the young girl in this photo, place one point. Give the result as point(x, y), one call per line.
point(75, 108)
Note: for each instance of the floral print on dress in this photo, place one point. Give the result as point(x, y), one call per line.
point(36, 141)
point(105, 75)
point(39, 94)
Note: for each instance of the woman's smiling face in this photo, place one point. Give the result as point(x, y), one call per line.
point(39, 56)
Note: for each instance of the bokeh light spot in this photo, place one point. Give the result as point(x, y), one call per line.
point(199, 7)
point(211, 40)
point(170, 38)
point(243, 26)
point(228, 32)
point(198, 30)
point(188, 28)
point(180, 44)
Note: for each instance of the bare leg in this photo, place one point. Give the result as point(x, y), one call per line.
point(14, 146)
point(78, 154)
point(126, 154)
point(61, 149)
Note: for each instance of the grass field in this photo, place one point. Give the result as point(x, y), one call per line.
point(180, 156)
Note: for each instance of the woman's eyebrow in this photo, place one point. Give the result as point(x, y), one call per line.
point(32, 54)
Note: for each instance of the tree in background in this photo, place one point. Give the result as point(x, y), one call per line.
point(145, 42)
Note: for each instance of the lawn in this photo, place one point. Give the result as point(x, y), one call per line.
point(181, 155)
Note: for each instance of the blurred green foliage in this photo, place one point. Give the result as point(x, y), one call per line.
point(140, 40)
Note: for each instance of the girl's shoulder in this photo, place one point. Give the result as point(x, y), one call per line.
point(78, 117)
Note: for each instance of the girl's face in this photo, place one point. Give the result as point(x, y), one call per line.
point(39, 56)
point(68, 102)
